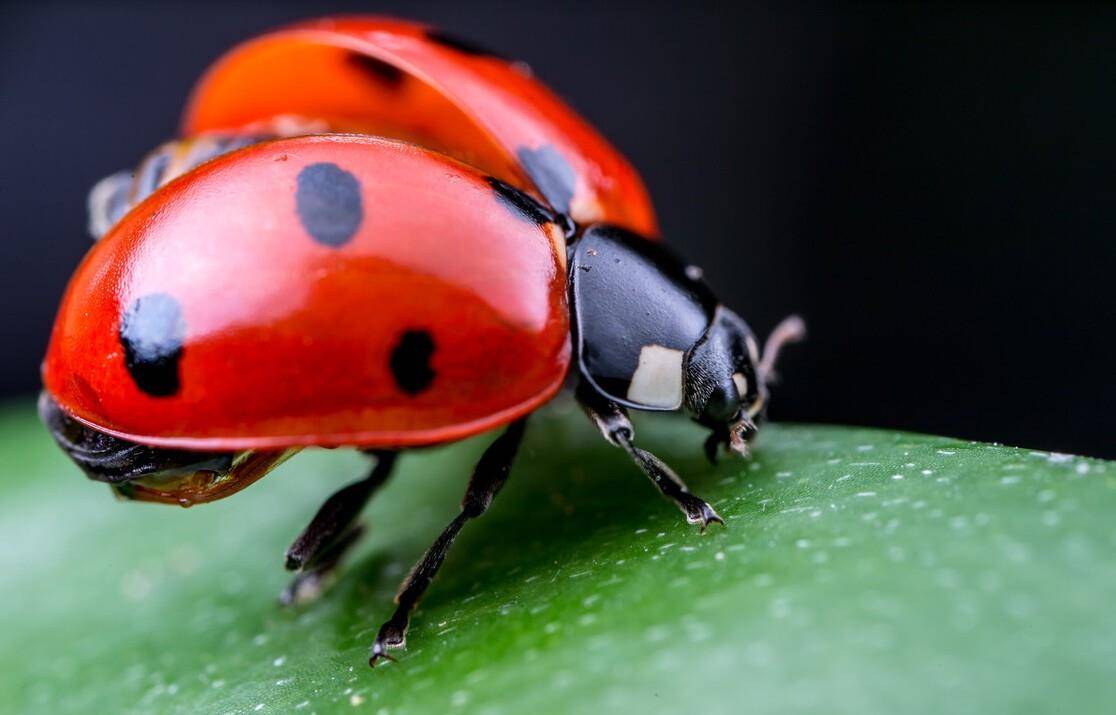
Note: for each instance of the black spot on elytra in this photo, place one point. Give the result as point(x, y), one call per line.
point(462, 45)
point(551, 173)
point(151, 332)
point(381, 72)
point(410, 361)
point(519, 203)
point(328, 203)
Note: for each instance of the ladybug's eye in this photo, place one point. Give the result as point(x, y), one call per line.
point(723, 402)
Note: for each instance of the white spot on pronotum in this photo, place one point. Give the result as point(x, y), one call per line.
point(741, 383)
point(694, 273)
point(657, 381)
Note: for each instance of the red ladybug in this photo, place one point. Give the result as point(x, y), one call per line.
point(350, 290)
point(408, 81)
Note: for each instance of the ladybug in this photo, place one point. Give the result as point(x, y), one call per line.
point(407, 81)
point(274, 284)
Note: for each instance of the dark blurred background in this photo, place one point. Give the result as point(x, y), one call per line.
point(931, 186)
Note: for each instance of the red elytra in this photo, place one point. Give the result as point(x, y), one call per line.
point(290, 339)
point(402, 80)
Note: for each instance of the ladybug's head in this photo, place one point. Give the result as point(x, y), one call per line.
point(651, 335)
point(726, 378)
point(144, 473)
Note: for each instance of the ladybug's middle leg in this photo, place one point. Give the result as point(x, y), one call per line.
point(488, 479)
point(318, 549)
point(613, 422)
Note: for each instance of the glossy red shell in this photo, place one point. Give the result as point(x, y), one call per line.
point(393, 78)
point(289, 341)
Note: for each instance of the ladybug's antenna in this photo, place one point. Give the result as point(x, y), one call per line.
point(791, 329)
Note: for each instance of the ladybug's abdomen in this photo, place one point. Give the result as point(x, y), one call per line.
point(320, 290)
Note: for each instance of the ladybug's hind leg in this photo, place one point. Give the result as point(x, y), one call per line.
point(613, 422)
point(317, 551)
point(488, 479)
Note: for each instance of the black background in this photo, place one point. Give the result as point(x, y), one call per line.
point(931, 186)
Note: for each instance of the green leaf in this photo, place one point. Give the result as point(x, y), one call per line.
point(861, 571)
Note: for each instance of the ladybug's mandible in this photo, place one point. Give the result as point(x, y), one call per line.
point(373, 235)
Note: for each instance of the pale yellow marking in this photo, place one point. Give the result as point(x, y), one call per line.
point(657, 381)
point(753, 349)
point(741, 383)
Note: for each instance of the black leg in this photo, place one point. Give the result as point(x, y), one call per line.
point(718, 437)
point(488, 478)
point(613, 422)
point(736, 438)
point(318, 549)
point(310, 581)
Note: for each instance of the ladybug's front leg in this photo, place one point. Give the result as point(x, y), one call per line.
point(613, 422)
point(318, 549)
point(488, 479)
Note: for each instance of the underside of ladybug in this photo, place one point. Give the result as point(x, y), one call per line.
point(413, 243)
